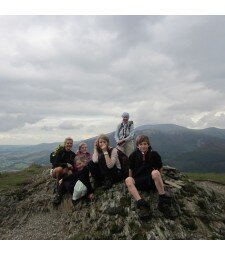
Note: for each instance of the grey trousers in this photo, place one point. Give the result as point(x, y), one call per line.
point(127, 147)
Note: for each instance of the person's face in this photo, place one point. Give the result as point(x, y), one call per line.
point(79, 164)
point(102, 143)
point(69, 145)
point(125, 119)
point(143, 147)
point(83, 148)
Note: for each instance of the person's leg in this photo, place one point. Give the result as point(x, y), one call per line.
point(59, 172)
point(121, 148)
point(61, 190)
point(156, 176)
point(165, 198)
point(132, 189)
point(129, 148)
point(144, 208)
point(95, 173)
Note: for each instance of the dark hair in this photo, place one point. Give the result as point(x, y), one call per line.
point(141, 139)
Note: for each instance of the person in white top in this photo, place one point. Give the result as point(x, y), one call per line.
point(107, 159)
point(124, 135)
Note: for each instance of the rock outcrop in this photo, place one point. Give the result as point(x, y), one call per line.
point(27, 212)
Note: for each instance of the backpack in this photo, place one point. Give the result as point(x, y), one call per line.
point(124, 162)
point(54, 154)
point(130, 122)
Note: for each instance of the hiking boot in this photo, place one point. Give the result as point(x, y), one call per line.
point(144, 210)
point(57, 199)
point(165, 199)
point(165, 205)
point(55, 188)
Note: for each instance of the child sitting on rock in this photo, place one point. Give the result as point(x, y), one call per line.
point(145, 174)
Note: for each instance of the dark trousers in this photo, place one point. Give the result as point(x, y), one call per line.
point(70, 180)
point(100, 172)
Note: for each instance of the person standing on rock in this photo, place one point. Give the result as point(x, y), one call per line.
point(145, 174)
point(124, 135)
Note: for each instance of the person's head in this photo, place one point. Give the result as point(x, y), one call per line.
point(68, 143)
point(101, 141)
point(82, 147)
point(125, 117)
point(142, 143)
point(79, 164)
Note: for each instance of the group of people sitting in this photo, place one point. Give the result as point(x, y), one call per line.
point(105, 168)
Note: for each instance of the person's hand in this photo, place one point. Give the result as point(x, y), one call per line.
point(121, 141)
point(69, 166)
point(95, 144)
point(91, 197)
point(70, 172)
point(104, 148)
point(60, 181)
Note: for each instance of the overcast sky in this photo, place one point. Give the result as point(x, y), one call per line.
point(74, 75)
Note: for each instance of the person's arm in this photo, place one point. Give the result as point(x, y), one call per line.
point(110, 161)
point(95, 154)
point(130, 173)
point(131, 135)
point(131, 164)
point(116, 136)
point(58, 161)
point(72, 157)
point(157, 161)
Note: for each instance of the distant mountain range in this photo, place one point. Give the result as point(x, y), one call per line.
point(191, 150)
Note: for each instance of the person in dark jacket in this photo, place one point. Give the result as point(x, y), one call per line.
point(67, 183)
point(145, 174)
point(105, 165)
point(66, 175)
point(64, 161)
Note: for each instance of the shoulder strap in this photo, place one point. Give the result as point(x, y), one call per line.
point(130, 122)
point(121, 126)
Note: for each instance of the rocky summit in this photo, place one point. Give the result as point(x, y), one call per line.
point(27, 212)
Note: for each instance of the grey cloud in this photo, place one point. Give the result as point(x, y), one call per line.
point(162, 68)
point(15, 121)
point(70, 125)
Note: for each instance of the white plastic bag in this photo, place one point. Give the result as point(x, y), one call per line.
point(79, 190)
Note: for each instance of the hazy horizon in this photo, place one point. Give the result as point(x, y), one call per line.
point(79, 140)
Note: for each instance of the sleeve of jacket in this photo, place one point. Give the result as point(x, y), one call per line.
point(72, 158)
point(116, 136)
point(132, 161)
point(131, 135)
point(157, 161)
point(58, 161)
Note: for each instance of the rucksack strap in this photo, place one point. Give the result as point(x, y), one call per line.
point(130, 122)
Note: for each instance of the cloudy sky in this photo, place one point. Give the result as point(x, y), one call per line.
point(74, 75)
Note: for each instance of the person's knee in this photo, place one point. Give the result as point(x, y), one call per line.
point(56, 172)
point(156, 174)
point(129, 181)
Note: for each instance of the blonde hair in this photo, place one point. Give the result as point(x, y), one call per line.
point(67, 139)
point(80, 145)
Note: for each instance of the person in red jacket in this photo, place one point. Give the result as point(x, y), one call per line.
point(82, 155)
